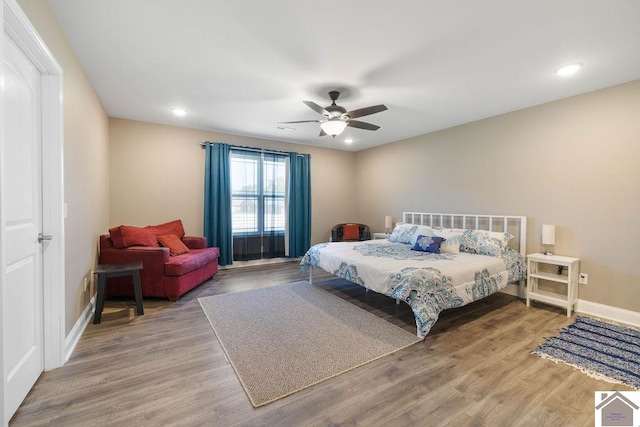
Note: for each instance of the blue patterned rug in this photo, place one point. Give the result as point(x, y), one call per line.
point(601, 350)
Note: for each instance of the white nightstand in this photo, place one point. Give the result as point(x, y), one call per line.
point(535, 275)
point(381, 235)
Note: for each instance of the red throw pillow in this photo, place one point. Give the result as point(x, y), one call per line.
point(116, 237)
point(173, 227)
point(136, 236)
point(175, 245)
point(351, 232)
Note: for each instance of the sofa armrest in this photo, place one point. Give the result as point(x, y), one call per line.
point(153, 264)
point(195, 242)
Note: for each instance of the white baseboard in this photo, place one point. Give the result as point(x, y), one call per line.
point(619, 315)
point(76, 332)
point(263, 261)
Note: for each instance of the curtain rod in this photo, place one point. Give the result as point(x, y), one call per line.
point(252, 149)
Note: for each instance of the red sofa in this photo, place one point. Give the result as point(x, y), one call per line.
point(163, 274)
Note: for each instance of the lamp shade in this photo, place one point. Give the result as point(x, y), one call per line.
point(388, 222)
point(333, 127)
point(548, 234)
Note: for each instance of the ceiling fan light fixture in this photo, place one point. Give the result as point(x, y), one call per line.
point(336, 118)
point(333, 127)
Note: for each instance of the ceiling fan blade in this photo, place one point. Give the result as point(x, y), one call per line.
point(366, 111)
point(362, 125)
point(315, 107)
point(298, 121)
point(322, 133)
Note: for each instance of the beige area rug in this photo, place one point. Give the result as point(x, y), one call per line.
point(285, 338)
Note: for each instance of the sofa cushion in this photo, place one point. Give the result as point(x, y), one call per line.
point(195, 242)
point(175, 245)
point(136, 236)
point(173, 227)
point(116, 237)
point(185, 263)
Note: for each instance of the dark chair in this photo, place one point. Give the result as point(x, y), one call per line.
point(350, 232)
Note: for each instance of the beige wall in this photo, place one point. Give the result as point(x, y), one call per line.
point(86, 184)
point(157, 175)
point(574, 163)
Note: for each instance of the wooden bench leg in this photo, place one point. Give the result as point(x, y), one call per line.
point(137, 290)
point(102, 283)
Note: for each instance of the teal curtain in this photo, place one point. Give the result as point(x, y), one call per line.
point(217, 200)
point(299, 204)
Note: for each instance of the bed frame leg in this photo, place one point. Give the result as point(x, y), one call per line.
point(522, 290)
point(311, 274)
point(397, 302)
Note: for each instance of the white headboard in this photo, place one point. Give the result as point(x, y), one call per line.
point(515, 225)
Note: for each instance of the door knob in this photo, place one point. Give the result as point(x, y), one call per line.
point(42, 237)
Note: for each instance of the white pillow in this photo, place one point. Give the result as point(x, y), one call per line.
point(453, 240)
point(422, 230)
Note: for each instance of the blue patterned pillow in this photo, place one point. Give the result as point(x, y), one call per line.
point(403, 233)
point(428, 244)
point(485, 242)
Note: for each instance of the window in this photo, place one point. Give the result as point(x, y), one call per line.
point(258, 189)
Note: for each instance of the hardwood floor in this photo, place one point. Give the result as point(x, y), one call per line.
point(167, 368)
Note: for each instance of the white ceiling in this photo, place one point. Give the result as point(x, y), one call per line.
point(241, 66)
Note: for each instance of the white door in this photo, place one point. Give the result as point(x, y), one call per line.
point(23, 286)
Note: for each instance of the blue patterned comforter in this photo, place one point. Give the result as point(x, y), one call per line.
point(428, 282)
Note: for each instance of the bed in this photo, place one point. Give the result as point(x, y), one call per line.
point(433, 261)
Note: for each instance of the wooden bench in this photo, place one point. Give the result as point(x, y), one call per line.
point(104, 271)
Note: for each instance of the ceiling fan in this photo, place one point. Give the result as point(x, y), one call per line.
point(337, 118)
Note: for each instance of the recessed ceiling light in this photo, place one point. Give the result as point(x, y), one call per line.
point(568, 70)
point(179, 111)
point(348, 140)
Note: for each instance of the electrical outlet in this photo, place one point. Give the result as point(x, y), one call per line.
point(86, 283)
point(583, 278)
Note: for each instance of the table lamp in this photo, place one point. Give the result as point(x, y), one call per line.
point(548, 237)
point(388, 224)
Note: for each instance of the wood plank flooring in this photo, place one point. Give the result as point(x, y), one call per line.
point(166, 368)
